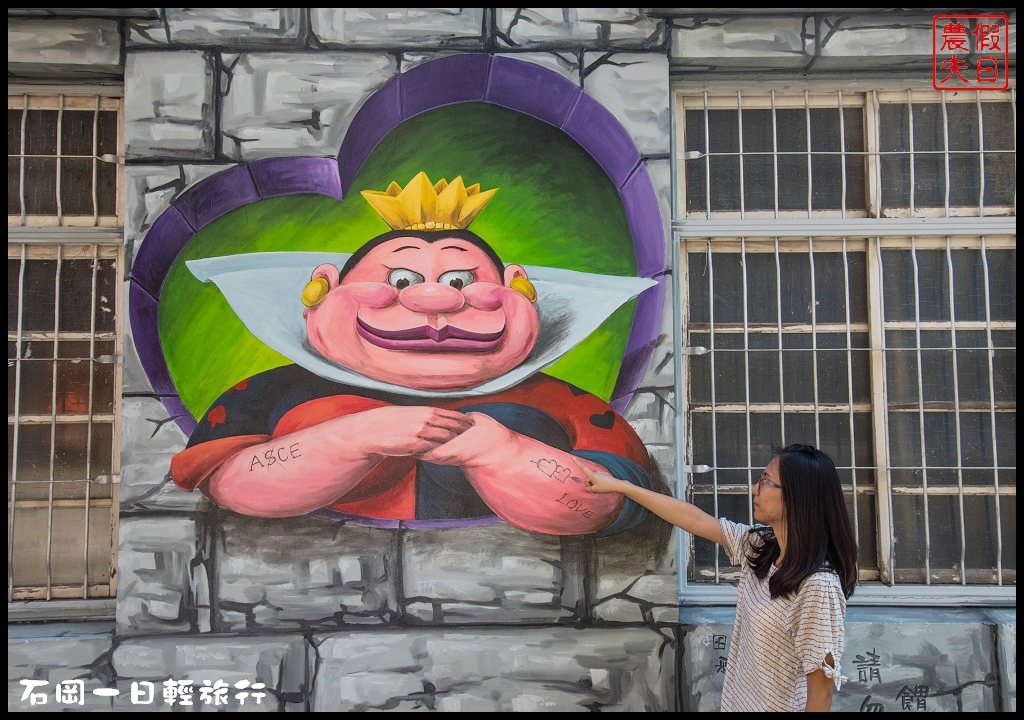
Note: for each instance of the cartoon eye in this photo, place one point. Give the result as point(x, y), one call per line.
point(458, 279)
point(402, 278)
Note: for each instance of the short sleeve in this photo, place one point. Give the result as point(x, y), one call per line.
point(737, 539)
point(820, 625)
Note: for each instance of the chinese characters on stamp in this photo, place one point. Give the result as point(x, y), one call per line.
point(970, 52)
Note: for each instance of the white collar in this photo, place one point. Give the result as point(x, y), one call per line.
point(265, 289)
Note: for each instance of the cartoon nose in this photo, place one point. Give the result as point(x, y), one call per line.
point(432, 298)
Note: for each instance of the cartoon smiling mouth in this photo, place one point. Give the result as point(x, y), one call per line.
point(429, 339)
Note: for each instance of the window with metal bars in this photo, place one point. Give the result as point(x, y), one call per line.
point(62, 153)
point(848, 278)
point(64, 250)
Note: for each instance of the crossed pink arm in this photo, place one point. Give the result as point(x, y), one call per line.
point(524, 481)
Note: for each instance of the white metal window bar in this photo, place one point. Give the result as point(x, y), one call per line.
point(919, 227)
point(64, 253)
point(63, 459)
point(68, 149)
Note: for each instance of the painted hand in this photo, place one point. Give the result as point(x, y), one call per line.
point(485, 442)
point(408, 431)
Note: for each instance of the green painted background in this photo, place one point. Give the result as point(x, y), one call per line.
point(554, 207)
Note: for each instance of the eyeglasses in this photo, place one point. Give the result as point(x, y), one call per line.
point(765, 481)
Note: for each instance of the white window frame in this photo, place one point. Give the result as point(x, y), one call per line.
point(865, 230)
point(79, 237)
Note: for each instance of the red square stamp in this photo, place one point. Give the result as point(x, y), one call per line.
point(970, 52)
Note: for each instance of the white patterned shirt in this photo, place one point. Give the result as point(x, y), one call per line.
point(777, 642)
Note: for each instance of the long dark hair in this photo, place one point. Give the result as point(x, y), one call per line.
point(819, 535)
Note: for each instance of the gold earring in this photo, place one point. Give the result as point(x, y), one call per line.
point(524, 286)
point(315, 292)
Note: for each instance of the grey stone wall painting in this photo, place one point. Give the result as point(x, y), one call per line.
point(486, 363)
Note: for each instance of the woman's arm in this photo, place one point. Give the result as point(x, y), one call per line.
point(680, 513)
point(819, 691)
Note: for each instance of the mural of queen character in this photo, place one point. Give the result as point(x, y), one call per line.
point(417, 392)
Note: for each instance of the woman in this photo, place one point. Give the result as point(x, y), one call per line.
point(799, 567)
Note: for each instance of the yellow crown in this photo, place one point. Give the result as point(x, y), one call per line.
point(421, 205)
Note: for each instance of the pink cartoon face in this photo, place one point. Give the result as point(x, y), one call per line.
point(424, 315)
